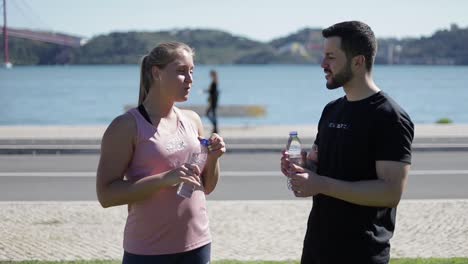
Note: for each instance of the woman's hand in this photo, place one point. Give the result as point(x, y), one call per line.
point(217, 146)
point(188, 173)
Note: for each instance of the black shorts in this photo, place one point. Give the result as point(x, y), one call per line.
point(201, 255)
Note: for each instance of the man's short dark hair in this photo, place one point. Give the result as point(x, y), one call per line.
point(357, 38)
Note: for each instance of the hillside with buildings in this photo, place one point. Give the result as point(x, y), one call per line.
point(444, 47)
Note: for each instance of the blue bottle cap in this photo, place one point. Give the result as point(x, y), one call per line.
point(205, 142)
point(293, 133)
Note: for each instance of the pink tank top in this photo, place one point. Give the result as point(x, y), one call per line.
point(164, 223)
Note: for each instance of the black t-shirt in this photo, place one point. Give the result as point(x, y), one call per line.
point(351, 137)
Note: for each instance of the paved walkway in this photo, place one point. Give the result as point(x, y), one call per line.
point(242, 230)
point(246, 230)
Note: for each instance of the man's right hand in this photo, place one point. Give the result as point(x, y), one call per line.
point(304, 182)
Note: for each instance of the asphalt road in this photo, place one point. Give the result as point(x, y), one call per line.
point(245, 176)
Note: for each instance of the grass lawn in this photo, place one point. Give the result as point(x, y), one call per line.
point(393, 261)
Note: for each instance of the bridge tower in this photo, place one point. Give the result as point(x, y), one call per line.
point(5, 37)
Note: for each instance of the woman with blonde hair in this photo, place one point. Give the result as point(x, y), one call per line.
point(143, 160)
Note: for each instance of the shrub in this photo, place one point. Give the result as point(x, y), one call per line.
point(444, 120)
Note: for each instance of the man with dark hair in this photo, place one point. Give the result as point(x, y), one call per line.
point(362, 153)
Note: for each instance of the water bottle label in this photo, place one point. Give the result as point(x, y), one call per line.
point(296, 160)
point(294, 150)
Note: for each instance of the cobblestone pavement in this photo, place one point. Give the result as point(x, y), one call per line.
point(242, 230)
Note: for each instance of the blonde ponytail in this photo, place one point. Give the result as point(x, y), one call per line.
point(160, 56)
point(145, 80)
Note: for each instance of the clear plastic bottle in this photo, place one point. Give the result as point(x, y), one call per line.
point(196, 158)
point(294, 150)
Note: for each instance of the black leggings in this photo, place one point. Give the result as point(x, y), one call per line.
point(199, 255)
point(211, 114)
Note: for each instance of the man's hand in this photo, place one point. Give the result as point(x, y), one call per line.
point(304, 182)
point(285, 163)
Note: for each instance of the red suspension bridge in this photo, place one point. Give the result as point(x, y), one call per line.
point(49, 37)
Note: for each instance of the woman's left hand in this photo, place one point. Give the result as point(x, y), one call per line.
point(217, 146)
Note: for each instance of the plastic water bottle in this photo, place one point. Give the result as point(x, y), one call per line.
point(294, 150)
point(197, 158)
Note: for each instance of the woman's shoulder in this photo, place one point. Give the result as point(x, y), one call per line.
point(122, 126)
point(193, 117)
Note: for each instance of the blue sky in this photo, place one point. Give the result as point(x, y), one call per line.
point(256, 19)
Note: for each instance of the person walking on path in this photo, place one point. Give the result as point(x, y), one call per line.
point(143, 155)
point(213, 95)
point(362, 153)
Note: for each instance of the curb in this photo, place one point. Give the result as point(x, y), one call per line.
point(233, 148)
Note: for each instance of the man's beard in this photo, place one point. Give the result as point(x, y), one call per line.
point(341, 78)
